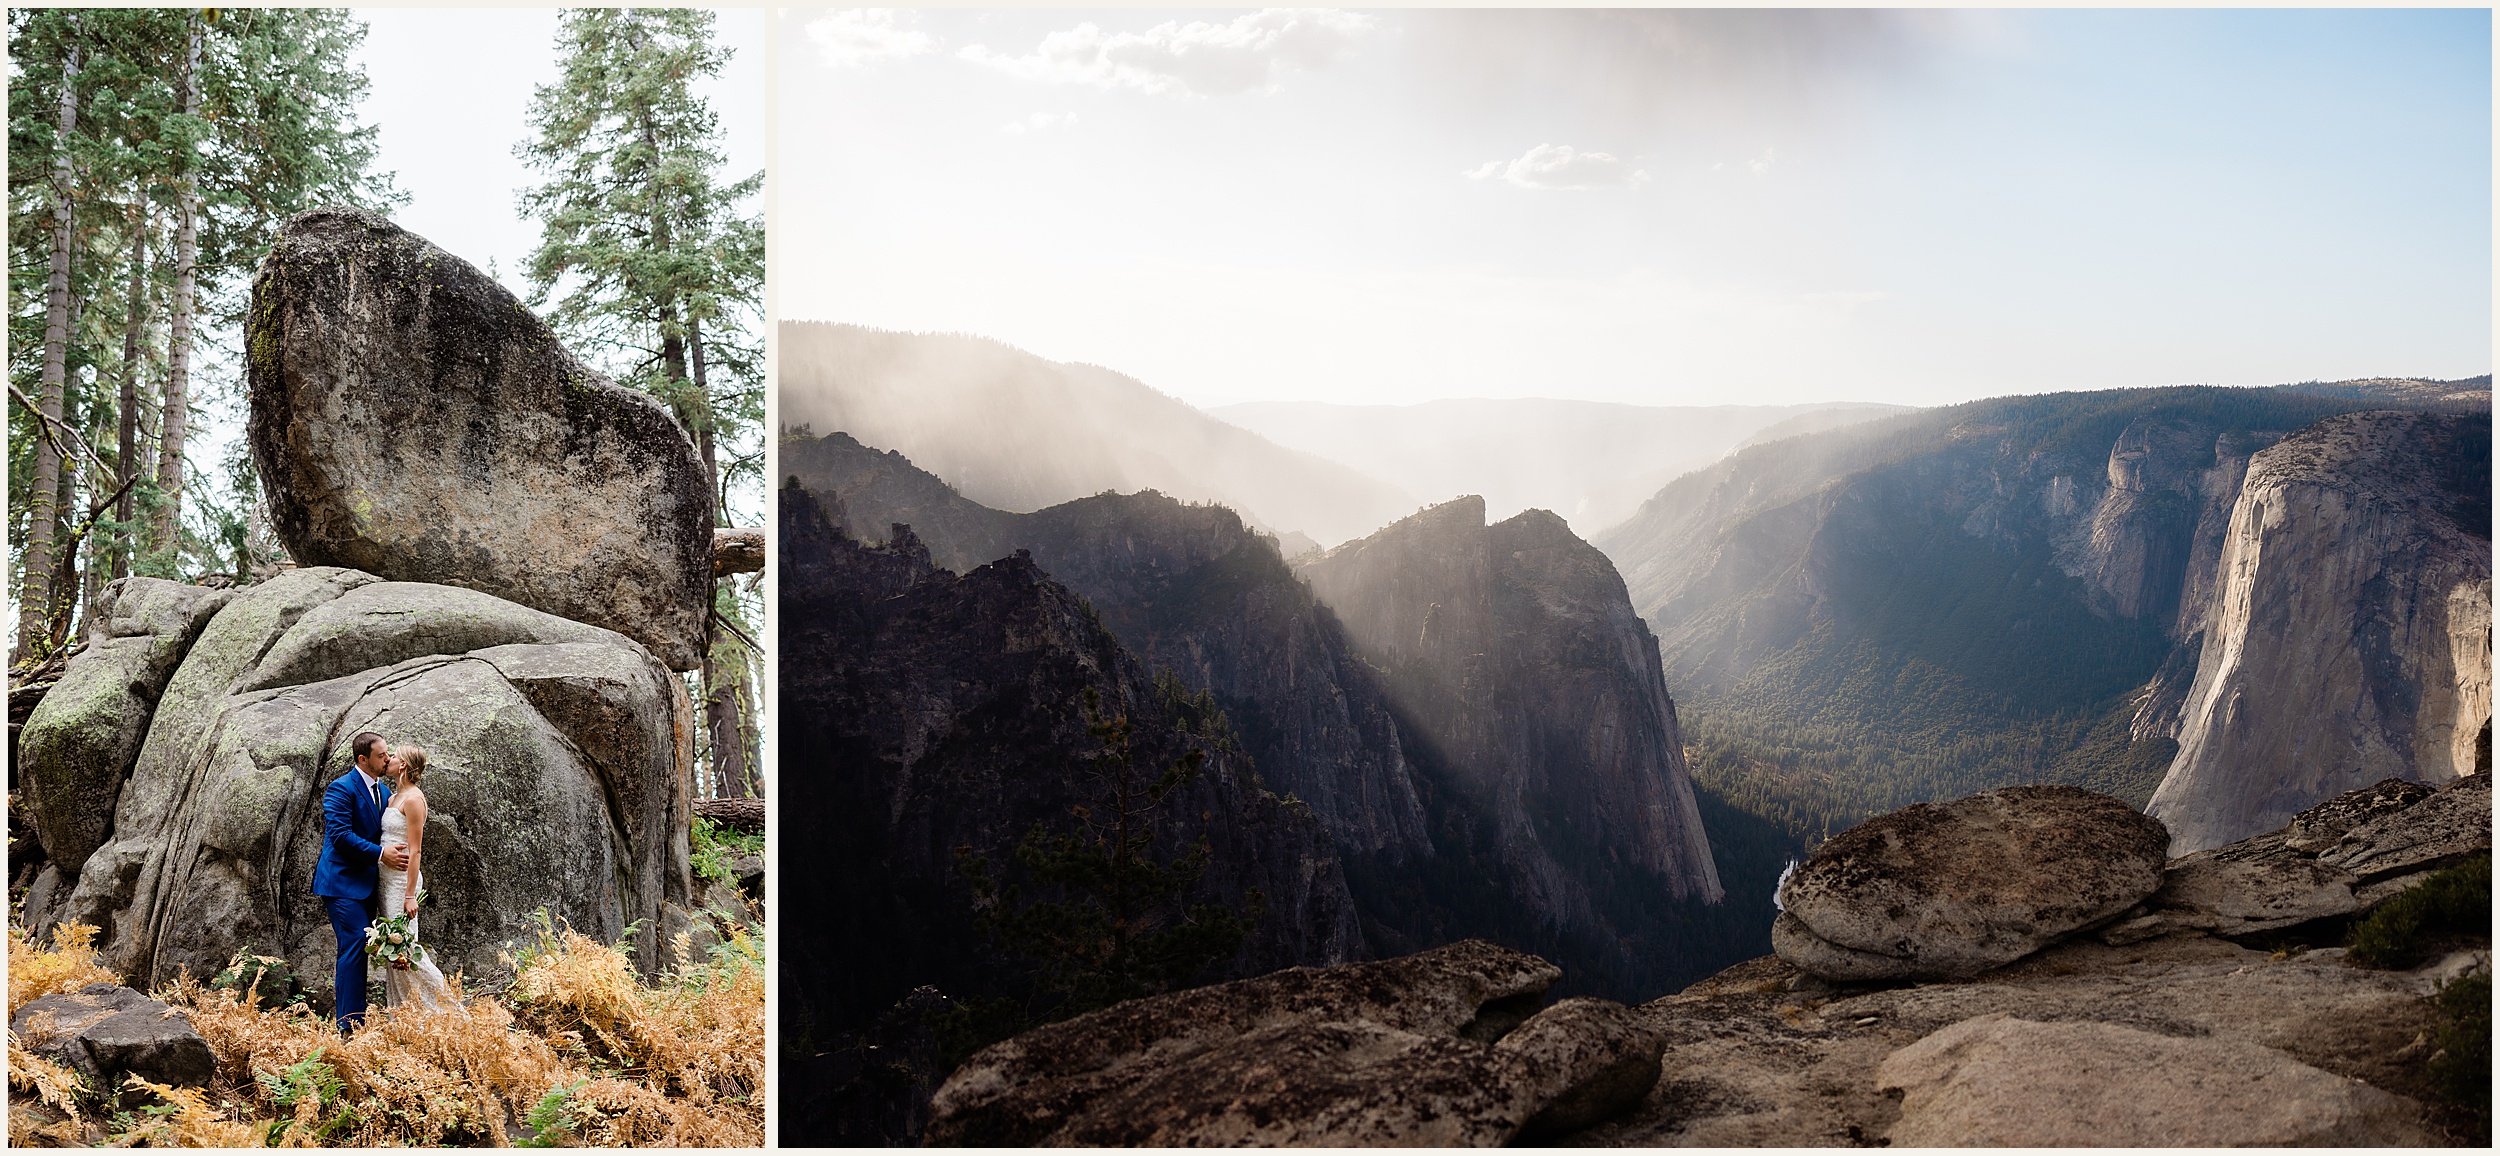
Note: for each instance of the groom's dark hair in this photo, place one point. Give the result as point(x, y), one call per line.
point(364, 743)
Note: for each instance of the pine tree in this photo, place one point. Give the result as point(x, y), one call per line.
point(190, 134)
point(644, 260)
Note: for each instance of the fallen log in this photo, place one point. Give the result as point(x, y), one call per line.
point(743, 815)
point(737, 550)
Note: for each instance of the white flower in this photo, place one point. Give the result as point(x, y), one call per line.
point(395, 938)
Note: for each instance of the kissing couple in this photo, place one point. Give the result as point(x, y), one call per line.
point(372, 840)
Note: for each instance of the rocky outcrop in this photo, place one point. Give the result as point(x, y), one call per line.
point(2341, 857)
point(2182, 1037)
point(103, 1030)
point(2095, 1038)
point(2351, 636)
point(1949, 890)
point(1516, 656)
point(943, 717)
point(1445, 1048)
point(410, 419)
point(560, 754)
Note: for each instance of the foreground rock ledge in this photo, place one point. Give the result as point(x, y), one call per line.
point(412, 420)
point(1442, 1048)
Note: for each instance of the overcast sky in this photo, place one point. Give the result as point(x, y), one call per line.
point(1654, 207)
point(451, 92)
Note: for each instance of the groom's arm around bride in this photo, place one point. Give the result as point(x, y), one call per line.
point(347, 875)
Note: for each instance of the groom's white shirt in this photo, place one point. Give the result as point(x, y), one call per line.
point(371, 792)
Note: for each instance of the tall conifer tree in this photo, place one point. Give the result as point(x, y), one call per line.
point(644, 260)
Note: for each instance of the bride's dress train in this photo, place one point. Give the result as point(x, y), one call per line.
point(422, 984)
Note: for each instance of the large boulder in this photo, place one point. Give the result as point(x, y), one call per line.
point(1999, 1081)
point(1943, 890)
point(104, 1030)
point(412, 420)
point(81, 739)
point(1442, 1048)
point(558, 779)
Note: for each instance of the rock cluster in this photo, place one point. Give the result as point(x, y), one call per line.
point(410, 419)
point(2143, 1034)
point(103, 1030)
point(558, 774)
point(1444, 1048)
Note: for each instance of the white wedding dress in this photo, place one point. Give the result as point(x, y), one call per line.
point(422, 984)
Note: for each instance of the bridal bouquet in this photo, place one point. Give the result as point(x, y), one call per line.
point(392, 941)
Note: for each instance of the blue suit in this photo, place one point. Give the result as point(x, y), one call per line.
point(347, 879)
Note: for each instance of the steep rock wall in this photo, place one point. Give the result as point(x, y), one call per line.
point(1516, 653)
point(1190, 590)
point(937, 715)
point(2350, 639)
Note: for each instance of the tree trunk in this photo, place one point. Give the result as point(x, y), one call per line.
point(126, 439)
point(43, 510)
point(703, 436)
point(178, 345)
point(726, 714)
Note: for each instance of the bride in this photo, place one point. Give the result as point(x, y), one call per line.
point(404, 820)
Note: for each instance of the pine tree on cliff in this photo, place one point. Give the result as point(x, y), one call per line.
point(644, 256)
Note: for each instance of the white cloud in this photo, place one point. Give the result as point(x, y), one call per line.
point(1039, 122)
point(850, 37)
point(1197, 58)
point(1562, 167)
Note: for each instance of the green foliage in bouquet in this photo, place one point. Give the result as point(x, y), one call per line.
point(390, 940)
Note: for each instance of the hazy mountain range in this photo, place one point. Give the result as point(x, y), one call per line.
point(1593, 463)
point(1017, 432)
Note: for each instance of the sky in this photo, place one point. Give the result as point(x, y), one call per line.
point(1696, 207)
point(451, 91)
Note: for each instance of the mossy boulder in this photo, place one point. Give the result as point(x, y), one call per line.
point(80, 741)
point(410, 418)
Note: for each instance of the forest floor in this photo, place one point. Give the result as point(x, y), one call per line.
point(580, 1050)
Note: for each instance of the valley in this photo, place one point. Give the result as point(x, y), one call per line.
point(1601, 747)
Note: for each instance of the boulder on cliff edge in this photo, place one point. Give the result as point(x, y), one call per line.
point(1949, 890)
point(412, 420)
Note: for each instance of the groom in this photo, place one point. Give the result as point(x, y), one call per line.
point(348, 874)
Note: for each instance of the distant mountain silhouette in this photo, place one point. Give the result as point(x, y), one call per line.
point(1592, 462)
point(1017, 432)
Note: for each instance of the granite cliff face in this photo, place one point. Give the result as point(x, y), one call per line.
point(1537, 691)
point(2011, 590)
point(2350, 637)
point(926, 713)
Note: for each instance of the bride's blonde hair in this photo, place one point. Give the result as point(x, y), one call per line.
point(414, 756)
